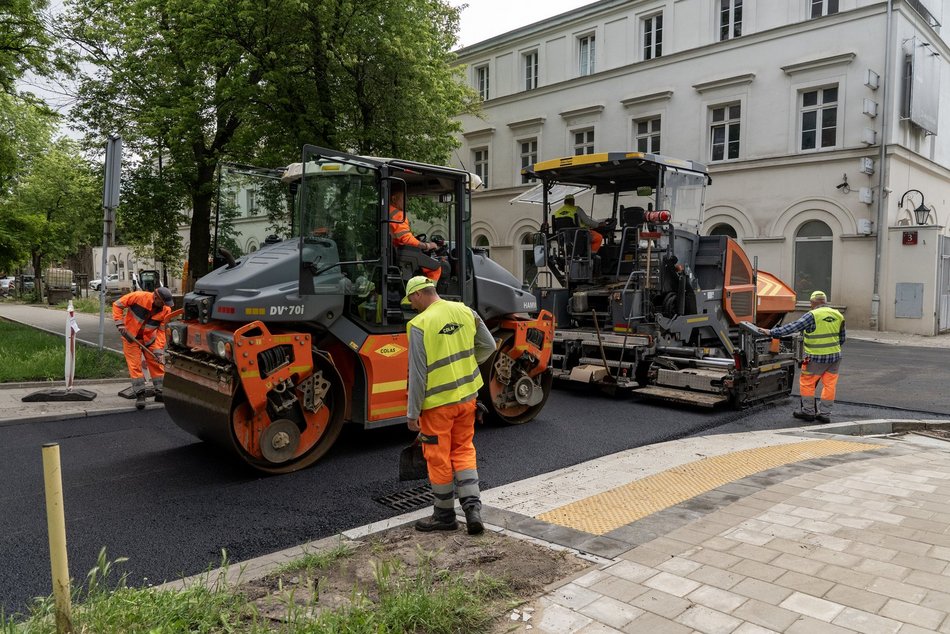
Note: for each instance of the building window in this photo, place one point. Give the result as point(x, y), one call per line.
point(585, 55)
point(653, 36)
point(530, 70)
point(819, 118)
point(730, 19)
point(813, 246)
point(252, 205)
point(529, 156)
point(481, 242)
point(724, 132)
point(583, 142)
point(647, 132)
point(480, 160)
point(823, 7)
point(724, 229)
point(529, 269)
point(481, 82)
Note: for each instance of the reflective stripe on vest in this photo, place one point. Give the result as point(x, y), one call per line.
point(825, 339)
point(567, 211)
point(448, 333)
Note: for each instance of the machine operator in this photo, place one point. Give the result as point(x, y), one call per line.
point(570, 215)
point(447, 342)
point(402, 235)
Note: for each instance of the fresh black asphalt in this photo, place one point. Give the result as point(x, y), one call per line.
point(143, 489)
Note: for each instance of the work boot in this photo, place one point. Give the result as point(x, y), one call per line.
point(823, 418)
point(157, 385)
point(473, 521)
point(140, 400)
point(802, 415)
point(158, 396)
point(437, 522)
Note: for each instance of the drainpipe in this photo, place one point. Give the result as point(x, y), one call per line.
point(875, 322)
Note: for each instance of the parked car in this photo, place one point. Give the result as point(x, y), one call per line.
point(7, 285)
point(28, 283)
point(96, 284)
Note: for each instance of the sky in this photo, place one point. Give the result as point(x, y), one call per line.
point(483, 19)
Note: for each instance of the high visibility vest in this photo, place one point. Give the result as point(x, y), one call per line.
point(448, 333)
point(566, 213)
point(399, 229)
point(140, 319)
point(824, 339)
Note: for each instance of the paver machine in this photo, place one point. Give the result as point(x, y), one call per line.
point(659, 308)
point(276, 350)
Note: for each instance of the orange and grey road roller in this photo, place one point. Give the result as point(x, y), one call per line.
point(277, 349)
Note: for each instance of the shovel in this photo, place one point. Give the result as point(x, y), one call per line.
point(412, 464)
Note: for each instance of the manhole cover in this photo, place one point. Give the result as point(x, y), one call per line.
point(414, 498)
point(408, 500)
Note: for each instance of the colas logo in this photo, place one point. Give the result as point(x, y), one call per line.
point(449, 328)
point(390, 350)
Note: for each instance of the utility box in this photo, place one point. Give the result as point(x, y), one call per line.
point(909, 300)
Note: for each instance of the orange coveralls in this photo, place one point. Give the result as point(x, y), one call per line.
point(403, 237)
point(134, 311)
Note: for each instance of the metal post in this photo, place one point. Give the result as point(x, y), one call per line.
point(110, 200)
point(879, 243)
point(56, 526)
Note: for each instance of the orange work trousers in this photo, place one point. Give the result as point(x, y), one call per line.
point(133, 358)
point(432, 274)
point(454, 428)
point(596, 240)
point(812, 373)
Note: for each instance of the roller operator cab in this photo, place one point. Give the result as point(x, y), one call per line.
point(277, 349)
point(658, 307)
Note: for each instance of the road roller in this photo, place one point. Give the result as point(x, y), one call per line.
point(276, 350)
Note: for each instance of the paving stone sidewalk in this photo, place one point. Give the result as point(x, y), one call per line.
point(860, 546)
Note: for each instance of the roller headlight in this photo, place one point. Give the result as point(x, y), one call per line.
point(221, 348)
point(176, 336)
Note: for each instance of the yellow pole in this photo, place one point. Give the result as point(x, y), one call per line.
point(56, 526)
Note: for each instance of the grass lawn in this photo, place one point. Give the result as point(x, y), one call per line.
point(27, 354)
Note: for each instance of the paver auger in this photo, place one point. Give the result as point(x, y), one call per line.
point(659, 308)
point(277, 349)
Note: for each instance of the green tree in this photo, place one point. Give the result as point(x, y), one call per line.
point(26, 44)
point(55, 208)
point(252, 80)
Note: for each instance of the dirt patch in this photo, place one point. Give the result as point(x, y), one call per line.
point(526, 569)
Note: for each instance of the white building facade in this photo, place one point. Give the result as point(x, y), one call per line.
point(815, 118)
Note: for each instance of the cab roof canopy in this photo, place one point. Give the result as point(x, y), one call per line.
point(420, 178)
point(610, 172)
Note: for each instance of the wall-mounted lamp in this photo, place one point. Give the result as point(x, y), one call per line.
point(921, 212)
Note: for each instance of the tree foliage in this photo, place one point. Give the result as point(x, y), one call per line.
point(26, 44)
point(54, 209)
point(253, 80)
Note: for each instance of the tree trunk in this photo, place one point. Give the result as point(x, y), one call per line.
point(37, 262)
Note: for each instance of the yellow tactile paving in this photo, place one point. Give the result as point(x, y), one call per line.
point(604, 512)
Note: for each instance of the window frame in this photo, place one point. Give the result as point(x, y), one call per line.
point(727, 11)
point(590, 39)
point(650, 26)
point(525, 246)
point(799, 240)
point(825, 8)
point(727, 123)
point(252, 204)
point(481, 166)
point(651, 133)
point(819, 108)
point(588, 143)
point(520, 154)
point(484, 91)
point(531, 72)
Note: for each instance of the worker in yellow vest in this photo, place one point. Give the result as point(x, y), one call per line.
point(570, 215)
point(824, 336)
point(447, 342)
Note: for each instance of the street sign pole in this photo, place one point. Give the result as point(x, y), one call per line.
point(110, 200)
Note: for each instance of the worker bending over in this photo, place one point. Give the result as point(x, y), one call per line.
point(824, 336)
point(447, 342)
point(140, 317)
point(570, 215)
